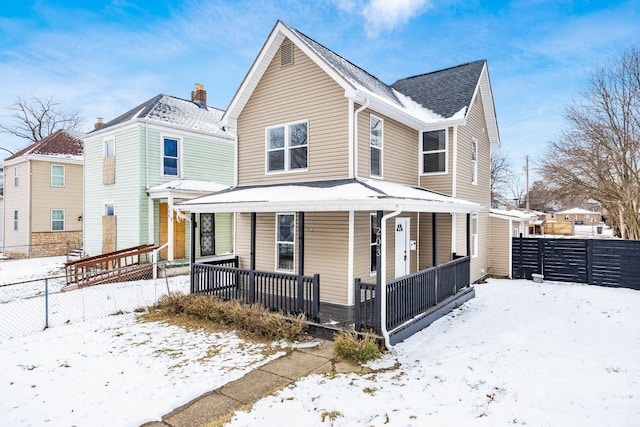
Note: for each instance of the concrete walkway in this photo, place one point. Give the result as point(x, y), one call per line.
point(316, 357)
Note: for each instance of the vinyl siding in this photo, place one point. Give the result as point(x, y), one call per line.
point(17, 198)
point(443, 235)
point(399, 150)
point(301, 91)
point(442, 183)
point(499, 247)
point(46, 197)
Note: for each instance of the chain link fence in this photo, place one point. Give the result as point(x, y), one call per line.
point(34, 305)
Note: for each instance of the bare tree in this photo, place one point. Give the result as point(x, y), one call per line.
point(35, 118)
point(597, 155)
point(500, 176)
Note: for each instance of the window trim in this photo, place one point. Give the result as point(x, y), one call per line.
point(16, 176)
point(278, 242)
point(105, 143)
point(178, 139)
point(286, 148)
point(373, 221)
point(64, 171)
point(15, 220)
point(474, 161)
point(64, 217)
point(372, 147)
point(474, 236)
point(104, 208)
point(445, 150)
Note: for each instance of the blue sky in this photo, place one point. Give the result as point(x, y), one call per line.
point(105, 57)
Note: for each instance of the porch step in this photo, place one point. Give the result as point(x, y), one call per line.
point(77, 253)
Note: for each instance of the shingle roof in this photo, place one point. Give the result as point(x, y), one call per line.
point(445, 92)
point(61, 143)
point(177, 112)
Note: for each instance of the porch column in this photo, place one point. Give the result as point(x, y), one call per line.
point(434, 240)
point(192, 252)
point(468, 234)
point(301, 243)
point(253, 241)
point(170, 227)
point(379, 279)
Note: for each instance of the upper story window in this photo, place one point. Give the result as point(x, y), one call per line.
point(57, 219)
point(109, 148)
point(434, 152)
point(109, 209)
point(474, 161)
point(285, 244)
point(287, 147)
point(171, 157)
point(16, 173)
point(375, 143)
point(57, 175)
point(15, 220)
point(109, 161)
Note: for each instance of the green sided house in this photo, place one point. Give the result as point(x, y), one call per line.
point(355, 201)
point(140, 164)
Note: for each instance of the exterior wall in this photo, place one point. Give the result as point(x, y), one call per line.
point(46, 197)
point(499, 244)
point(443, 237)
point(17, 198)
point(301, 91)
point(54, 243)
point(399, 150)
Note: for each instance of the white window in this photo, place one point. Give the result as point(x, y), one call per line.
point(57, 175)
point(109, 148)
point(287, 147)
point(373, 243)
point(16, 172)
point(375, 143)
point(434, 152)
point(474, 235)
point(171, 157)
point(285, 244)
point(15, 220)
point(109, 209)
point(57, 219)
point(474, 161)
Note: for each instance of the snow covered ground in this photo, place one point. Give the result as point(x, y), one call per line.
point(520, 353)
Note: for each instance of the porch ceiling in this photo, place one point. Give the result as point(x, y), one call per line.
point(336, 195)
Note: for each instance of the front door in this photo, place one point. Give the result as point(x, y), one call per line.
point(178, 234)
point(403, 264)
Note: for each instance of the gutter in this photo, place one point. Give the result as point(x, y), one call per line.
point(383, 273)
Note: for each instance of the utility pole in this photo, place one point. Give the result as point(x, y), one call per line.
point(526, 194)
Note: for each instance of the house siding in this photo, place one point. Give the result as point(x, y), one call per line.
point(17, 198)
point(443, 233)
point(311, 95)
point(499, 247)
point(399, 150)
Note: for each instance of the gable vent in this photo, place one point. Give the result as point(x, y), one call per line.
point(286, 54)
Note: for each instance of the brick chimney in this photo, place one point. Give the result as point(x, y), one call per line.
point(98, 123)
point(199, 95)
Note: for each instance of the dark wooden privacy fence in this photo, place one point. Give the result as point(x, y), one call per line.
point(290, 293)
point(410, 296)
point(602, 262)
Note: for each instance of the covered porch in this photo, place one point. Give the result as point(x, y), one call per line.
point(314, 247)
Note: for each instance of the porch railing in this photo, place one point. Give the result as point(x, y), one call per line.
point(290, 293)
point(411, 295)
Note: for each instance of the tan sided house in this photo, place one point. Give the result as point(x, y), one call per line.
point(43, 197)
point(353, 184)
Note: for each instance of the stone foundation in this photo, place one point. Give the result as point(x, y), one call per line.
point(54, 243)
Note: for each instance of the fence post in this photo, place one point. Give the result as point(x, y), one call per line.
point(356, 304)
point(589, 261)
point(435, 282)
point(68, 250)
point(316, 295)
point(46, 303)
point(300, 296)
point(540, 257)
point(252, 286)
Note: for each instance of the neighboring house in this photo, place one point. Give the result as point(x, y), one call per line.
point(43, 197)
point(327, 154)
point(579, 216)
point(504, 226)
point(139, 164)
point(1, 204)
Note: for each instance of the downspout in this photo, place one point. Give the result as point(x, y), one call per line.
point(355, 136)
point(454, 189)
point(29, 209)
point(383, 270)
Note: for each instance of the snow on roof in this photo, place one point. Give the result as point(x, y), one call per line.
point(338, 195)
point(575, 211)
point(191, 185)
point(513, 213)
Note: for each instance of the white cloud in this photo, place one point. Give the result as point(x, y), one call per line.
point(382, 15)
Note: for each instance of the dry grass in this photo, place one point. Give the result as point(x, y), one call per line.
point(251, 321)
point(356, 348)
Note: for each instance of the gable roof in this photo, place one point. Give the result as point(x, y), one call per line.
point(62, 144)
point(428, 101)
point(169, 110)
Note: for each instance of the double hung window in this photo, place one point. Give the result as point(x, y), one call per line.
point(171, 157)
point(287, 147)
point(434, 152)
point(285, 243)
point(375, 144)
point(57, 219)
point(57, 175)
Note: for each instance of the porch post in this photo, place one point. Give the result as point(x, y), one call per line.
point(192, 252)
point(468, 234)
point(253, 241)
point(170, 227)
point(301, 243)
point(379, 279)
point(434, 240)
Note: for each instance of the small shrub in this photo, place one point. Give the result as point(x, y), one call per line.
point(356, 348)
